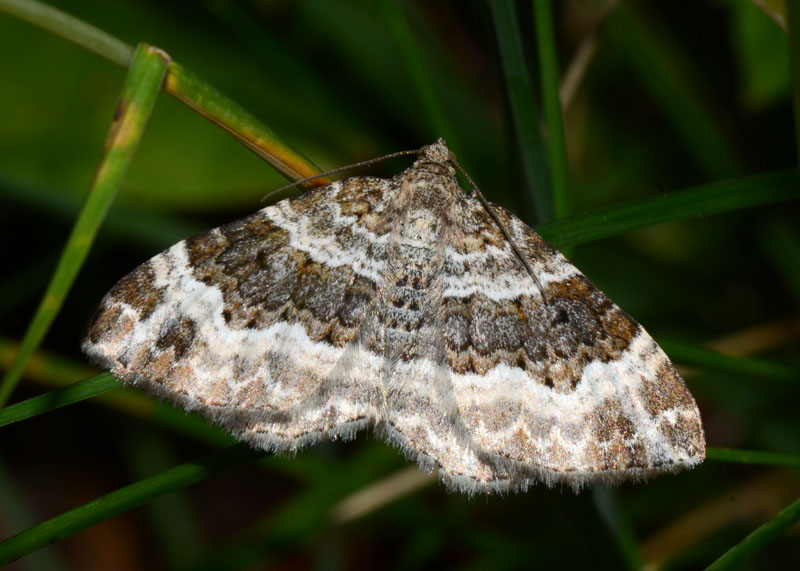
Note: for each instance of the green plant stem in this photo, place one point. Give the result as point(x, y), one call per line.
point(524, 109)
point(551, 106)
point(142, 85)
point(690, 203)
point(705, 200)
point(180, 83)
point(689, 354)
point(189, 89)
point(758, 539)
point(147, 229)
point(753, 457)
point(122, 500)
point(775, 10)
point(51, 370)
point(57, 398)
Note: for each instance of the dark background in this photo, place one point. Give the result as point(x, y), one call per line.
point(327, 77)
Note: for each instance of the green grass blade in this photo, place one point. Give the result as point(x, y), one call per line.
point(775, 11)
point(524, 109)
point(146, 229)
point(70, 28)
point(704, 200)
point(252, 133)
point(64, 373)
point(753, 457)
point(688, 354)
point(180, 83)
point(57, 398)
point(122, 500)
point(551, 106)
point(758, 539)
point(142, 85)
point(51, 370)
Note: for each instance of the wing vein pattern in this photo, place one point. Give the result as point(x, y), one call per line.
point(399, 304)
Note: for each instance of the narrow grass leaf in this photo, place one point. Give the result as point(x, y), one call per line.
point(142, 85)
point(524, 109)
point(708, 359)
point(52, 400)
point(713, 198)
point(245, 128)
point(73, 385)
point(758, 539)
point(551, 106)
point(775, 10)
point(753, 457)
point(180, 83)
point(48, 369)
point(122, 500)
point(146, 229)
point(132, 403)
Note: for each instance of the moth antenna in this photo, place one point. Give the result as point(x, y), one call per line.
point(368, 162)
point(476, 193)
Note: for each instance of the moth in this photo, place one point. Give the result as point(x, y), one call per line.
point(411, 307)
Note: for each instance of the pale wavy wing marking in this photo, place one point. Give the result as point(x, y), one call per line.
point(229, 372)
point(422, 415)
point(551, 424)
point(316, 228)
point(359, 367)
point(650, 423)
point(275, 327)
point(327, 402)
